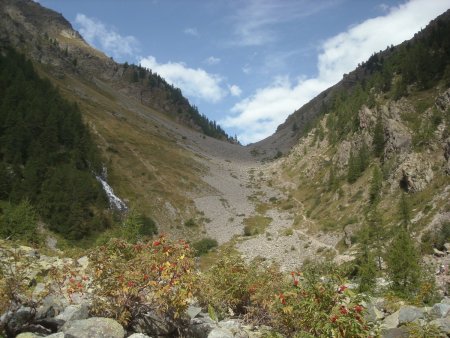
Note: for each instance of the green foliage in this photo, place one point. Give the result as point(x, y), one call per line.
point(19, 222)
point(46, 152)
point(138, 74)
point(404, 209)
point(375, 185)
point(190, 223)
point(403, 263)
point(378, 137)
point(133, 279)
point(204, 245)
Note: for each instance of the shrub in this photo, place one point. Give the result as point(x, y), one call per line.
point(204, 245)
point(231, 284)
point(132, 279)
point(319, 307)
point(19, 222)
point(190, 223)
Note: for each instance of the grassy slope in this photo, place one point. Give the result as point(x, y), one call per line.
point(305, 175)
point(146, 166)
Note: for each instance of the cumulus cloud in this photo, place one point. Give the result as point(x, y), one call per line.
point(193, 82)
point(191, 31)
point(212, 60)
point(258, 116)
point(235, 90)
point(106, 38)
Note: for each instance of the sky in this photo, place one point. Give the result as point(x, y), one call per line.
point(248, 64)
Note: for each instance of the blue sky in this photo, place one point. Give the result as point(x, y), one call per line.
point(247, 64)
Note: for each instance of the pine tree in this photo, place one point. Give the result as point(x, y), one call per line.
point(367, 269)
point(378, 137)
point(353, 168)
point(403, 263)
point(375, 185)
point(405, 211)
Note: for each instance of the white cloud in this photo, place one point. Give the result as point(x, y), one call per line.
point(235, 90)
point(191, 31)
point(193, 82)
point(106, 38)
point(212, 60)
point(258, 116)
point(254, 22)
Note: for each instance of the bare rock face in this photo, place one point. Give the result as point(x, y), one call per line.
point(342, 154)
point(415, 173)
point(366, 117)
point(398, 138)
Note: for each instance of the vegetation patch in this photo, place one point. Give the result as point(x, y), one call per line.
point(256, 225)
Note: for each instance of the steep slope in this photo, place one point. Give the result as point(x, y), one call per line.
point(150, 136)
point(368, 144)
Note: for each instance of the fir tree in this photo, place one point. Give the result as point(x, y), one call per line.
point(403, 263)
point(378, 137)
point(375, 185)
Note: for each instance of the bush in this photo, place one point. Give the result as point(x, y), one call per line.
point(19, 222)
point(204, 245)
point(132, 279)
point(190, 223)
point(231, 284)
point(313, 303)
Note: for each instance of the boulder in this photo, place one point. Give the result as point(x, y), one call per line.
point(139, 335)
point(443, 324)
point(74, 312)
point(153, 324)
point(94, 327)
point(200, 326)
point(221, 333)
point(415, 173)
point(408, 314)
point(439, 310)
point(390, 321)
point(397, 332)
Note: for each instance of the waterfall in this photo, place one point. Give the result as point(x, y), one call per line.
point(114, 201)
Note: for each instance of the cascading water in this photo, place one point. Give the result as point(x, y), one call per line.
point(114, 201)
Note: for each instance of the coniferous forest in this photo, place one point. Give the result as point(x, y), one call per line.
point(48, 159)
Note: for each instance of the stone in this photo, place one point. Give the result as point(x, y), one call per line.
point(139, 335)
point(415, 173)
point(51, 306)
point(390, 321)
point(193, 311)
point(447, 247)
point(397, 138)
point(397, 332)
point(438, 253)
point(220, 333)
point(200, 326)
point(408, 314)
point(439, 310)
point(28, 335)
point(56, 335)
point(95, 327)
point(443, 324)
point(372, 314)
point(83, 262)
point(74, 312)
point(153, 324)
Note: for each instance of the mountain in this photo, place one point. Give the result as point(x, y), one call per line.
point(149, 136)
point(347, 155)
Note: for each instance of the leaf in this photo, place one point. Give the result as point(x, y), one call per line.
point(212, 313)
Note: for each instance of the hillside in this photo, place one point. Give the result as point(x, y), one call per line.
point(143, 126)
point(338, 225)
